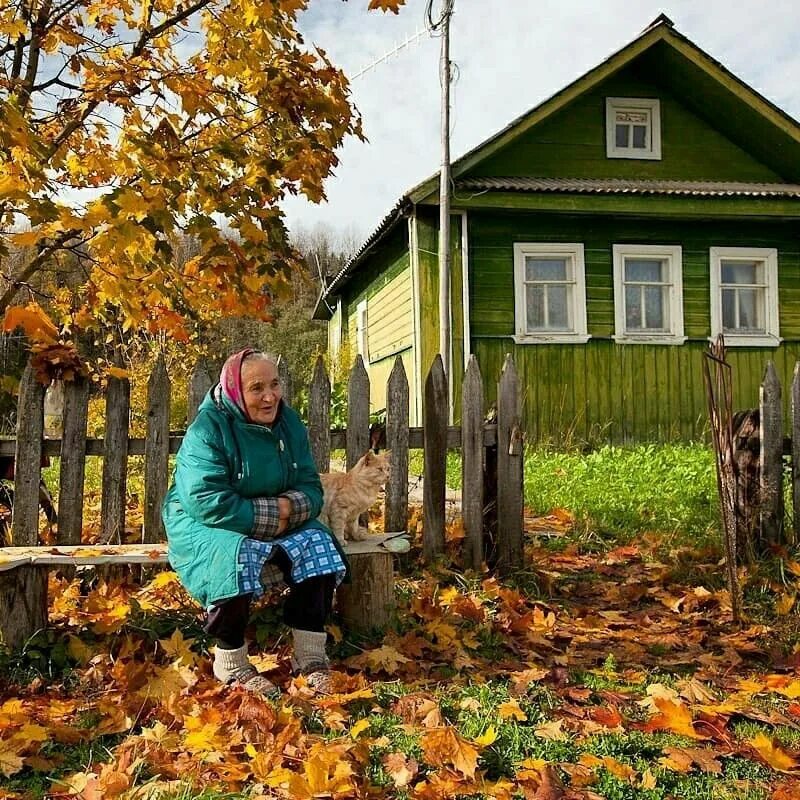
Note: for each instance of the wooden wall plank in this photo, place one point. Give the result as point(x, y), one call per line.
point(115, 460)
point(397, 415)
point(472, 464)
point(319, 413)
point(28, 460)
point(435, 414)
point(156, 451)
point(509, 471)
point(73, 461)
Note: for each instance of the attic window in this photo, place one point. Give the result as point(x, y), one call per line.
point(633, 128)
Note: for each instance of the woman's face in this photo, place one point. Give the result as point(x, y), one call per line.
point(262, 390)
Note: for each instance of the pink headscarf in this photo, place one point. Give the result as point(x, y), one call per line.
point(230, 380)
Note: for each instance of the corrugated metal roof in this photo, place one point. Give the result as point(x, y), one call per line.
point(619, 186)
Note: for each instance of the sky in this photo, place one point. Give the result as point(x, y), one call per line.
point(509, 55)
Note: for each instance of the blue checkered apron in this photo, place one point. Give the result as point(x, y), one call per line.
point(312, 553)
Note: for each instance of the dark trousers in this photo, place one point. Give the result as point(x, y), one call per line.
point(307, 607)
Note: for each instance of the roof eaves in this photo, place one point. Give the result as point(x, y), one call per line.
point(385, 227)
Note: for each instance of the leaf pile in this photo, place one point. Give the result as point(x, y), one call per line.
point(625, 682)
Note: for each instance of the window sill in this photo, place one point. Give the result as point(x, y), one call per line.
point(634, 155)
point(655, 339)
point(552, 338)
point(732, 340)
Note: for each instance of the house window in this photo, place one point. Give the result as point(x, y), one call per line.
point(744, 295)
point(648, 294)
point(550, 293)
point(362, 331)
point(633, 128)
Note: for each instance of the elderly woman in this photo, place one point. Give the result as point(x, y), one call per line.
point(241, 517)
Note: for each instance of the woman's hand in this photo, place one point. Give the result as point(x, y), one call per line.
point(284, 512)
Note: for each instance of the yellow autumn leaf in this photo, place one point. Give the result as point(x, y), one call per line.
point(489, 736)
point(10, 761)
point(785, 603)
point(551, 731)
point(773, 754)
point(178, 648)
point(511, 710)
point(359, 727)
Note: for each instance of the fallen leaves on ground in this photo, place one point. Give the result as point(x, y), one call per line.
point(621, 678)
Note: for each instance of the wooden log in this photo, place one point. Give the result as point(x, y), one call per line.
point(199, 385)
point(472, 464)
point(367, 603)
point(771, 464)
point(23, 604)
point(397, 401)
point(319, 415)
point(28, 460)
point(746, 450)
point(436, 412)
point(357, 412)
point(509, 471)
point(23, 592)
point(73, 461)
point(796, 451)
point(286, 379)
point(115, 460)
point(156, 451)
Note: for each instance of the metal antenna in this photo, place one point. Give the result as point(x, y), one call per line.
point(413, 39)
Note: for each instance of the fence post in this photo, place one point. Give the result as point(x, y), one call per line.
point(23, 591)
point(436, 414)
point(472, 464)
point(796, 451)
point(73, 461)
point(509, 471)
point(287, 382)
point(357, 437)
point(771, 466)
point(396, 510)
point(199, 384)
point(319, 416)
point(156, 451)
point(115, 460)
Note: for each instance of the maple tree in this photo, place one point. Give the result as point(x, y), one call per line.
point(125, 126)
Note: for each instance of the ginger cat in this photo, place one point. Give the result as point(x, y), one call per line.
point(348, 494)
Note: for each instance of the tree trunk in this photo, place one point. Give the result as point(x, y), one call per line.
point(366, 603)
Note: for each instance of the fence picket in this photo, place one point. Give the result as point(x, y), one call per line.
point(396, 502)
point(156, 451)
point(796, 451)
point(73, 461)
point(472, 464)
point(770, 464)
point(319, 416)
point(28, 460)
point(509, 470)
point(199, 384)
point(357, 412)
point(286, 379)
point(115, 460)
point(436, 413)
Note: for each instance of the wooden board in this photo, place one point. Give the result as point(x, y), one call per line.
point(83, 555)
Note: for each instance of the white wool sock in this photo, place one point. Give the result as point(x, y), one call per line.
point(228, 662)
point(309, 650)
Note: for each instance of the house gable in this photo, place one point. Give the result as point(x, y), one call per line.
point(572, 142)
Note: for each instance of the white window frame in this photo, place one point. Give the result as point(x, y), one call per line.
point(674, 258)
point(768, 255)
point(574, 252)
point(335, 330)
point(362, 330)
point(653, 107)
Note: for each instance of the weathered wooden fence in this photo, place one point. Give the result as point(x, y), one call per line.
point(760, 445)
point(435, 437)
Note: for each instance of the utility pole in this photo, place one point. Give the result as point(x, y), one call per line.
point(445, 347)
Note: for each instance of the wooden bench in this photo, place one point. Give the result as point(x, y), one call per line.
point(366, 603)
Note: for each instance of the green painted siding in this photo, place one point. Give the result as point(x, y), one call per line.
point(384, 281)
point(621, 392)
point(571, 143)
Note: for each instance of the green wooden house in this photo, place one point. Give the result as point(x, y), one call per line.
point(602, 238)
